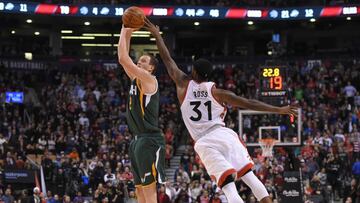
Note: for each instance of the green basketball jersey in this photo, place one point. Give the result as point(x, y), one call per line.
point(142, 111)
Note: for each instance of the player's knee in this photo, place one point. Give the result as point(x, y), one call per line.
point(150, 193)
point(140, 194)
point(228, 179)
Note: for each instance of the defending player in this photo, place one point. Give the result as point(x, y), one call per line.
point(202, 107)
point(147, 149)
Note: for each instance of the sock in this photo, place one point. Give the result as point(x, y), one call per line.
point(256, 186)
point(231, 193)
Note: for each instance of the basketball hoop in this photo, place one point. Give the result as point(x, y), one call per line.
point(267, 146)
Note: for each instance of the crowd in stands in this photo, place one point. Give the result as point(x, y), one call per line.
point(78, 131)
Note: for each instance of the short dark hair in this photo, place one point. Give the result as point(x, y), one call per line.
point(203, 68)
point(153, 61)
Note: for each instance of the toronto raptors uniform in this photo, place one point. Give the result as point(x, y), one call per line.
point(219, 148)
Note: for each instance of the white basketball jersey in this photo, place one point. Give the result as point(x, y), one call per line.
point(200, 110)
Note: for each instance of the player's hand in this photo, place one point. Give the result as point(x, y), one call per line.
point(290, 110)
point(127, 31)
point(153, 29)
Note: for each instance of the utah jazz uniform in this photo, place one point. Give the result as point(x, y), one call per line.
point(147, 149)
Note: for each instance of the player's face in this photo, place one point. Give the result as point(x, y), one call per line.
point(144, 63)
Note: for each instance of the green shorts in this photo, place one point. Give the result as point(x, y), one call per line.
point(147, 156)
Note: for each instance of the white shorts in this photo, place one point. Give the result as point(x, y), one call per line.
point(223, 154)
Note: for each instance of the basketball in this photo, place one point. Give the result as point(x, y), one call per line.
point(133, 17)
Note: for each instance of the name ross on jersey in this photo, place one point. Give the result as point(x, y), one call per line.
point(200, 94)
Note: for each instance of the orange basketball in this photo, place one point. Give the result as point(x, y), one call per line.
point(133, 17)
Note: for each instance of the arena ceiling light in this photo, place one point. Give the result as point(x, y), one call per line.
point(36, 33)
point(87, 23)
point(134, 34)
point(13, 31)
point(250, 22)
point(141, 32)
point(196, 23)
point(137, 33)
point(29, 21)
point(152, 39)
point(312, 20)
point(76, 37)
point(66, 31)
point(348, 18)
point(28, 56)
point(96, 35)
point(96, 45)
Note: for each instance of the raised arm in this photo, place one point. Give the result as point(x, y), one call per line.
point(121, 53)
point(148, 81)
point(228, 97)
point(175, 73)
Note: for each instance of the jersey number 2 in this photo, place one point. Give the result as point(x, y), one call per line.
point(196, 105)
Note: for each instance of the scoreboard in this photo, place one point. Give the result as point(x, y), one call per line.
point(273, 88)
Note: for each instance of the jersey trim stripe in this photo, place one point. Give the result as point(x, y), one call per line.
point(141, 97)
point(244, 170)
point(224, 176)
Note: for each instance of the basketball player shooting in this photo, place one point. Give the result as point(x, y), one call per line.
point(147, 149)
point(203, 111)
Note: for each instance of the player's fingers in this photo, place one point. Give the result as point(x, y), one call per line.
point(147, 21)
point(295, 113)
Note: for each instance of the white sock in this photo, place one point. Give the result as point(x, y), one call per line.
point(256, 186)
point(231, 193)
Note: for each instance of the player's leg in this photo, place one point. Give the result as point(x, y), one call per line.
point(242, 162)
point(140, 194)
point(135, 170)
point(150, 160)
point(230, 191)
point(257, 187)
point(218, 167)
point(150, 192)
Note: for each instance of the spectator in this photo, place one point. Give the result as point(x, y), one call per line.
point(131, 198)
point(109, 177)
point(162, 196)
point(49, 198)
point(24, 198)
point(36, 196)
point(350, 92)
point(356, 169)
point(8, 198)
point(79, 198)
point(215, 199)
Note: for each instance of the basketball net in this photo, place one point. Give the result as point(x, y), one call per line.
point(267, 146)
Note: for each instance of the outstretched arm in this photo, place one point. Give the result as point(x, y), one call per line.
point(148, 81)
point(228, 97)
point(121, 53)
point(175, 73)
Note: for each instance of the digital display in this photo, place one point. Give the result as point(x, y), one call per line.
point(272, 81)
point(276, 38)
point(191, 12)
point(14, 97)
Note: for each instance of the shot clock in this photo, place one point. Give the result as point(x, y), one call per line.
point(273, 85)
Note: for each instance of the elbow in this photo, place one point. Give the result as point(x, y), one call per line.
point(121, 59)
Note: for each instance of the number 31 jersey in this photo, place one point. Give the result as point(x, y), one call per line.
point(200, 110)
